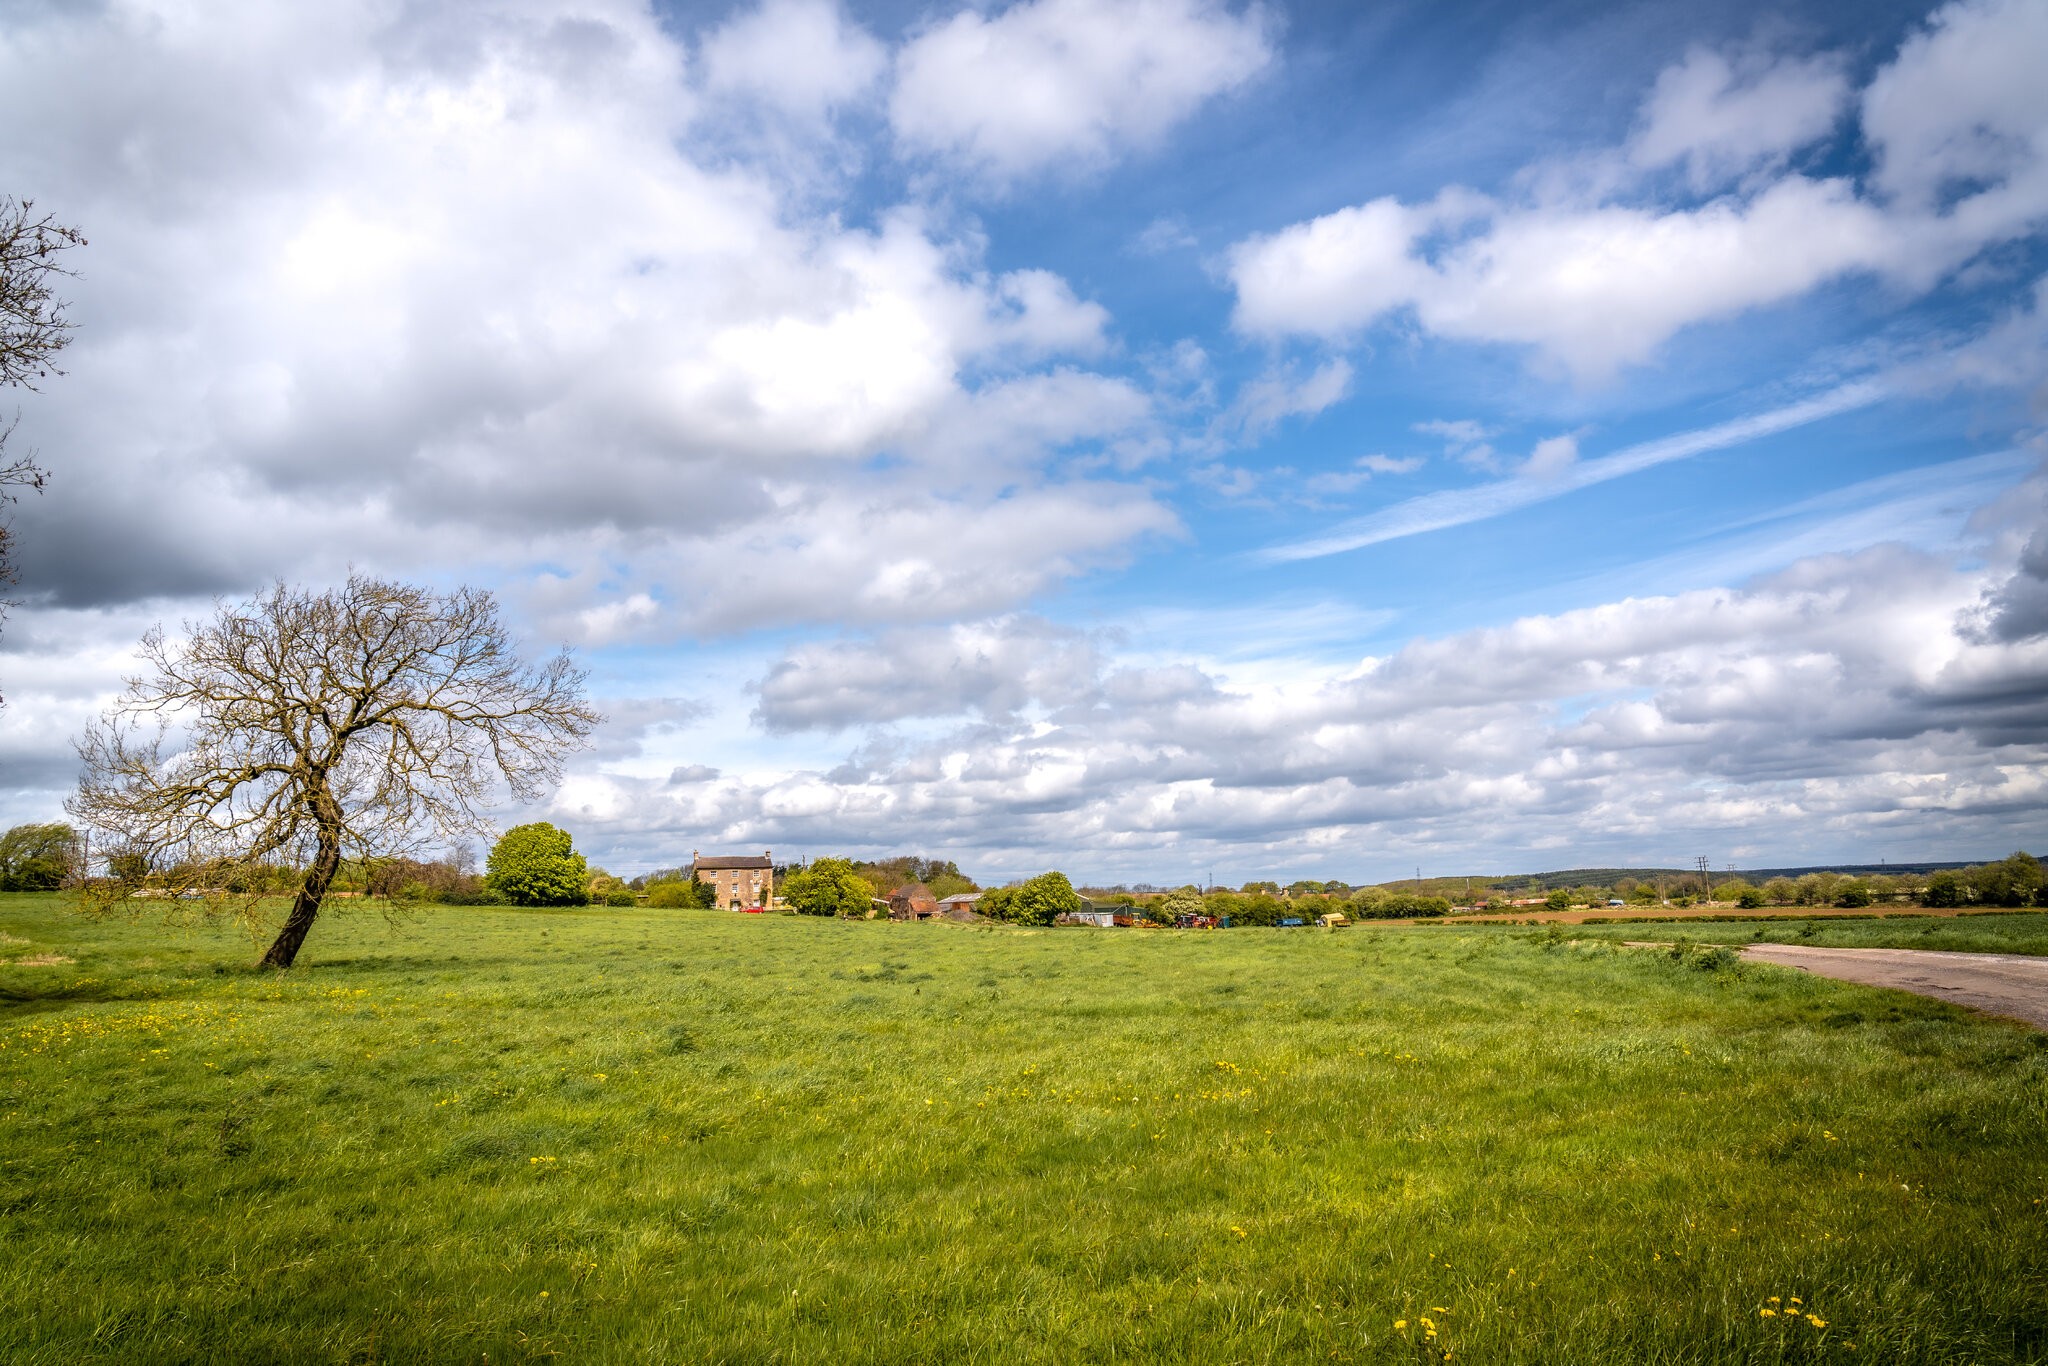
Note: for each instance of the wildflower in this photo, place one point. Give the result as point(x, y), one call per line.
point(1401, 1325)
point(1239, 1232)
point(1767, 1313)
point(1816, 1320)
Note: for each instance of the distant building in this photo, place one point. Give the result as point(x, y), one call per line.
point(1101, 919)
point(960, 906)
point(736, 880)
point(914, 902)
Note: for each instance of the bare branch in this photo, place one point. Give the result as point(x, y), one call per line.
point(373, 719)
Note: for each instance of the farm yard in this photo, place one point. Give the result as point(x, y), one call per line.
point(629, 1134)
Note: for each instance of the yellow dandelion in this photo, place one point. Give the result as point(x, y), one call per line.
point(1767, 1313)
point(1816, 1320)
point(1400, 1325)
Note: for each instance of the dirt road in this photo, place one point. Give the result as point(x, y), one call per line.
point(1997, 983)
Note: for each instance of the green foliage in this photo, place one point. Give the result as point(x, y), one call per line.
point(37, 858)
point(2015, 881)
point(535, 865)
point(1751, 898)
point(1558, 900)
point(830, 886)
point(1037, 902)
point(1186, 901)
point(619, 896)
point(1852, 895)
point(679, 893)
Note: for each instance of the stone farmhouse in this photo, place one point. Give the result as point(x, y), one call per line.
point(736, 880)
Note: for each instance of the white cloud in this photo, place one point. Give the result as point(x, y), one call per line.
point(406, 290)
point(1052, 83)
point(1963, 109)
point(803, 57)
point(1722, 120)
point(1277, 395)
point(1835, 701)
point(1593, 280)
point(1562, 472)
point(1552, 457)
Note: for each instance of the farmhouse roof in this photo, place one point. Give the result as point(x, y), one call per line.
point(717, 861)
point(960, 899)
point(915, 891)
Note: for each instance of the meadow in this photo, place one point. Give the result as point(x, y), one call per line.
point(610, 1135)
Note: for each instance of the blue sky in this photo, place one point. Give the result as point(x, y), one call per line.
point(1158, 440)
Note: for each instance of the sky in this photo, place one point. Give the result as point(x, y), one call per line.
point(1165, 440)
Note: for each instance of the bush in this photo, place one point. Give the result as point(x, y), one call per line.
point(678, 894)
point(1559, 900)
point(1751, 898)
point(534, 865)
point(1853, 894)
point(618, 897)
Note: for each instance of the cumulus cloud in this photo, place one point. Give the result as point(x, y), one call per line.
point(1721, 118)
point(1068, 82)
point(410, 288)
point(802, 57)
point(1836, 695)
point(1598, 278)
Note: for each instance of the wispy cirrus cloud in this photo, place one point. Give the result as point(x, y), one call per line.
point(1553, 476)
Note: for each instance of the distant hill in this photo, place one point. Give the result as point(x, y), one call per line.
point(1607, 877)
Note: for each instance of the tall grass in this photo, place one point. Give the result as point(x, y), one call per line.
point(690, 1136)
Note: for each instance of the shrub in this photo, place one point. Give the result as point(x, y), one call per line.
point(618, 897)
point(1750, 898)
point(1852, 894)
point(535, 865)
point(678, 894)
point(1559, 900)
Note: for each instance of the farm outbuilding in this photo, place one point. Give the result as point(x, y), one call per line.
point(914, 902)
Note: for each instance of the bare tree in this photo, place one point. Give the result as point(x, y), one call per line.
point(305, 726)
point(33, 329)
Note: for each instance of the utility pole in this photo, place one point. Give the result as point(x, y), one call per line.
point(1706, 879)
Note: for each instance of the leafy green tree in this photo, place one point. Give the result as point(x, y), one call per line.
point(1171, 907)
point(1644, 894)
point(1852, 895)
point(1039, 901)
point(536, 865)
point(1781, 891)
point(1751, 898)
point(1559, 900)
point(831, 886)
point(37, 858)
point(1944, 890)
point(1731, 890)
point(2014, 881)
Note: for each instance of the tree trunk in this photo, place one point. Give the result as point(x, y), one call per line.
point(285, 948)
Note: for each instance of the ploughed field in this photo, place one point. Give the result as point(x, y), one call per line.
point(611, 1135)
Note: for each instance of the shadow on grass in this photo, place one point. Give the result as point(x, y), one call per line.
point(19, 1000)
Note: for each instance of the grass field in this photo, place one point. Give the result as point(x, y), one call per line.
point(692, 1136)
point(2003, 932)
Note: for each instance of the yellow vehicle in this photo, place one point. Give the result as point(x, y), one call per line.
point(1335, 920)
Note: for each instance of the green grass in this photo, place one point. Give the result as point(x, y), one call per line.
point(2004, 932)
point(699, 1137)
